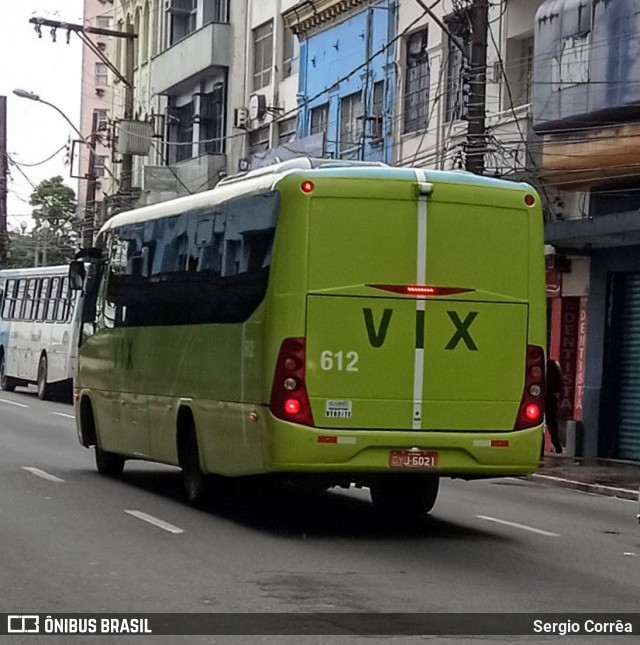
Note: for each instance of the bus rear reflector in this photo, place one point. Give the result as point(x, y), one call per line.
point(289, 399)
point(531, 410)
point(420, 290)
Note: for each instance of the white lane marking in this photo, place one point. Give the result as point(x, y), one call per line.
point(43, 474)
point(20, 405)
point(524, 527)
point(161, 524)
point(62, 414)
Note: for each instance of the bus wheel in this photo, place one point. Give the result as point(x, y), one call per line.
point(109, 463)
point(6, 382)
point(405, 500)
point(44, 389)
point(194, 481)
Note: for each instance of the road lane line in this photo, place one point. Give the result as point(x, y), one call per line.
point(43, 474)
point(20, 405)
point(524, 527)
point(161, 524)
point(62, 414)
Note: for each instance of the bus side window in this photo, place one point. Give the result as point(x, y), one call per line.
point(20, 298)
point(42, 299)
point(52, 300)
point(62, 310)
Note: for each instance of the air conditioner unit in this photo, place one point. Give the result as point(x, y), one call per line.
point(240, 117)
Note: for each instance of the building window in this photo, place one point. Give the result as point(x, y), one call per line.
point(103, 22)
point(102, 119)
point(181, 132)
point(182, 18)
point(517, 72)
point(216, 11)
point(288, 52)
point(259, 140)
point(350, 124)
point(417, 78)
point(287, 130)
point(319, 119)
point(262, 55)
point(378, 111)
point(99, 165)
point(459, 26)
point(101, 75)
point(212, 120)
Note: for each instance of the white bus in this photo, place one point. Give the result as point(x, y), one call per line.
point(36, 330)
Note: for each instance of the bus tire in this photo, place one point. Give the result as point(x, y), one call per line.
point(44, 389)
point(109, 463)
point(194, 481)
point(405, 499)
point(6, 382)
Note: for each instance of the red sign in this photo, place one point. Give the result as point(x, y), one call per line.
point(581, 359)
point(568, 354)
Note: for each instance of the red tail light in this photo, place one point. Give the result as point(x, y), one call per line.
point(289, 399)
point(531, 411)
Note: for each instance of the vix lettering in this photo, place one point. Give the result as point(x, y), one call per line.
point(377, 333)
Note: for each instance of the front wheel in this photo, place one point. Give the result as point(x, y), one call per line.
point(405, 499)
point(44, 389)
point(6, 382)
point(109, 463)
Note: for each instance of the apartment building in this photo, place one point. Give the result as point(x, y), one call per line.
point(586, 92)
point(96, 113)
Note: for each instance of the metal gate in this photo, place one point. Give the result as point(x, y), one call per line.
point(628, 368)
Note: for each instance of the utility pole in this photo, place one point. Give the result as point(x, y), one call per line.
point(89, 217)
point(4, 236)
point(126, 178)
point(476, 112)
point(125, 192)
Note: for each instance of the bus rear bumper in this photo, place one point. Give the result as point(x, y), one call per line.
point(294, 448)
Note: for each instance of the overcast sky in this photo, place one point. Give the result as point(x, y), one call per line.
point(49, 69)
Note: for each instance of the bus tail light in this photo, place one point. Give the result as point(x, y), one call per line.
point(289, 399)
point(531, 411)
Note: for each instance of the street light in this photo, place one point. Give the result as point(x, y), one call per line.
point(88, 220)
point(24, 94)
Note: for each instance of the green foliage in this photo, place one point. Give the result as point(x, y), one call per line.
point(53, 238)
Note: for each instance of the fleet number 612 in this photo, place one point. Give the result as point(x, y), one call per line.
point(340, 361)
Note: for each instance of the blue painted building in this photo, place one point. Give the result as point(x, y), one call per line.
point(347, 76)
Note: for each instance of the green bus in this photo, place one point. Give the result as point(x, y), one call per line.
point(325, 322)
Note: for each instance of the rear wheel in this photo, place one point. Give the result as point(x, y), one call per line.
point(194, 481)
point(6, 382)
point(405, 499)
point(109, 463)
point(44, 389)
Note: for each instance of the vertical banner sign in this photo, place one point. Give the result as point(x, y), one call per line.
point(568, 353)
point(581, 358)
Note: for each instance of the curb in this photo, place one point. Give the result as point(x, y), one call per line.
point(596, 489)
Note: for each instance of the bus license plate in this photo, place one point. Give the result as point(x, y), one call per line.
point(413, 459)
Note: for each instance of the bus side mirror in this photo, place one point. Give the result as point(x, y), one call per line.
point(77, 275)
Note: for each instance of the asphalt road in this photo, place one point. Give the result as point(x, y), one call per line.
point(74, 541)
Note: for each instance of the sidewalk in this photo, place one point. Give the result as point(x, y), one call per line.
point(599, 476)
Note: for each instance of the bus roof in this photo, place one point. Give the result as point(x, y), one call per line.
point(265, 179)
point(61, 269)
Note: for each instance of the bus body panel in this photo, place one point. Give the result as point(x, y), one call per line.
point(362, 371)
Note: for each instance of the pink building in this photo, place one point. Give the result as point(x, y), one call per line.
point(96, 105)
